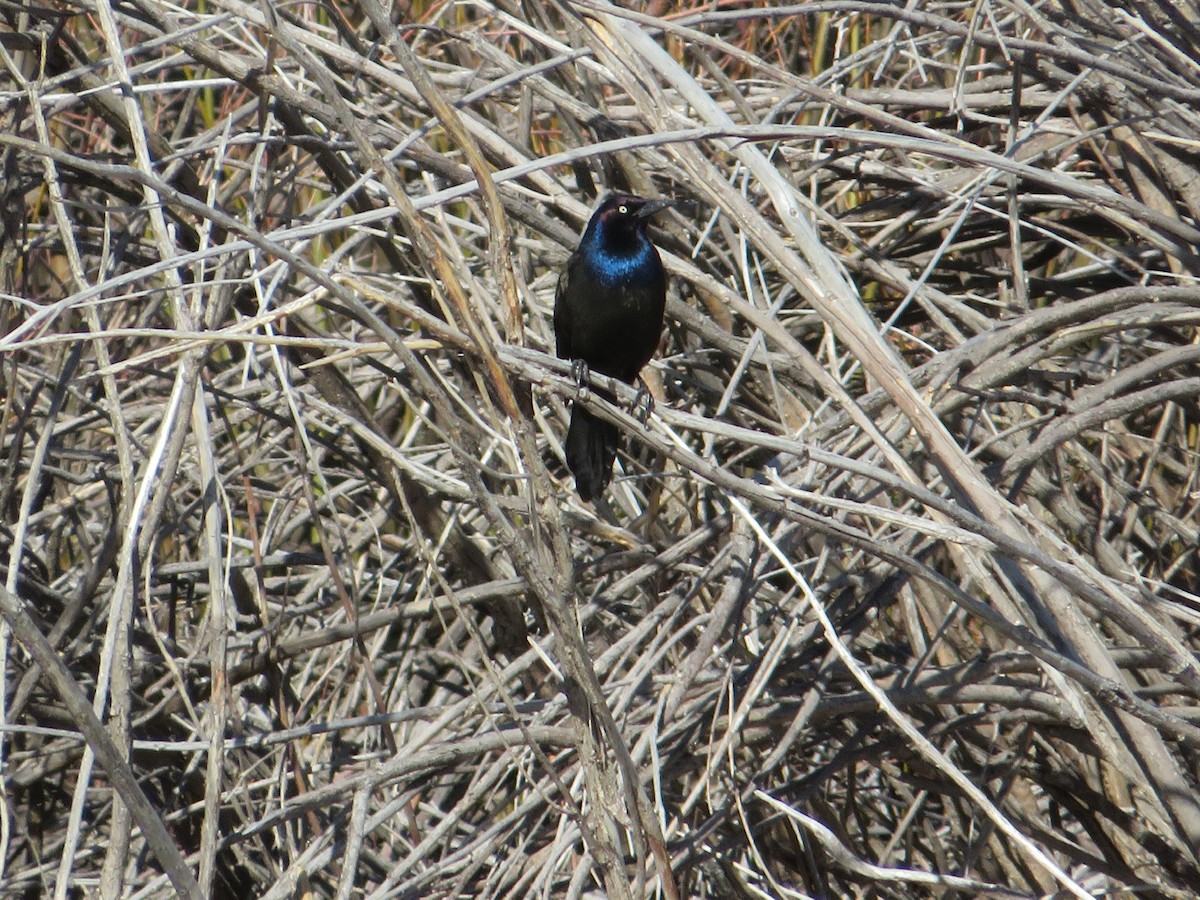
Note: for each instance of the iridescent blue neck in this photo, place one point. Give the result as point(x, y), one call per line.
point(616, 262)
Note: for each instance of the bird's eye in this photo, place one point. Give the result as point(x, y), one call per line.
point(623, 209)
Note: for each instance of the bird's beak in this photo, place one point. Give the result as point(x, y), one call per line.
point(650, 207)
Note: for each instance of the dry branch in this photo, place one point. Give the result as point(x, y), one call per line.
point(895, 595)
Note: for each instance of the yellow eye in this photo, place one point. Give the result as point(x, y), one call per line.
point(623, 209)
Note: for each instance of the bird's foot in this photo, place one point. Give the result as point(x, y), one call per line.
point(643, 403)
point(582, 375)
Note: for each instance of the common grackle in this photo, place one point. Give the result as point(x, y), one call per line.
point(608, 318)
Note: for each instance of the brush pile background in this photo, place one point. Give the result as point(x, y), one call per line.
point(895, 596)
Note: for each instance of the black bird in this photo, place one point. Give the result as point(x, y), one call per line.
point(608, 318)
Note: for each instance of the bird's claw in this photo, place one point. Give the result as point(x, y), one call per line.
point(643, 399)
point(582, 375)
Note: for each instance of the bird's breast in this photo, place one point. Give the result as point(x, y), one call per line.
point(612, 270)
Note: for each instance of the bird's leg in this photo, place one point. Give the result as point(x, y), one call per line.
point(645, 400)
point(582, 375)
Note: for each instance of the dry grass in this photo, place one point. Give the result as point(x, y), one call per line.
point(895, 596)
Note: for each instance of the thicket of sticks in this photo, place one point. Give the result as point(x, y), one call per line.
point(894, 595)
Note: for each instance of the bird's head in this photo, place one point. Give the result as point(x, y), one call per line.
point(624, 217)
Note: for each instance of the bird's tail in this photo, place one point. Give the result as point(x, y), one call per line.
point(591, 449)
